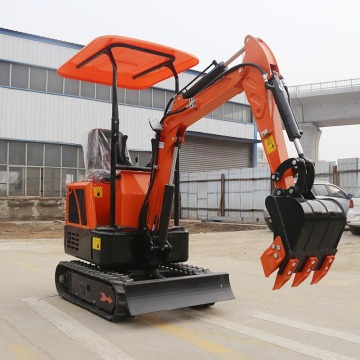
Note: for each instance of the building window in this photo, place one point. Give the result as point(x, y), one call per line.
point(17, 153)
point(16, 181)
point(158, 99)
point(238, 112)
point(37, 79)
point(52, 155)
point(103, 92)
point(146, 98)
point(38, 169)
point(55, 82)
point(247, 114)
point(228, 111)
point(35, 154)
point(87, 90)
point(47, 80)
point(3, 152)
point(20, 76)
point(4, 73)
point(218, 112)
point(72, 87)
point(69, 156)
point(3, 180)
point(52, 181)
point(33, 181)
point(132, 97)
point(81, 160)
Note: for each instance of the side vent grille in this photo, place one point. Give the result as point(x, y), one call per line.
point(72, 241)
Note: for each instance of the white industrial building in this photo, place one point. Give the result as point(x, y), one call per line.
point(45, 117)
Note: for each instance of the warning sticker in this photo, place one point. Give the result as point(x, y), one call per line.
point(269, 144)
point(96, 243)
point(98, 191)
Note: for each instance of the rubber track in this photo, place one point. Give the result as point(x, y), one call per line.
point(116, 281)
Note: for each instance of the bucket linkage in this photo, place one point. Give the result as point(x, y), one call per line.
point(306, 230)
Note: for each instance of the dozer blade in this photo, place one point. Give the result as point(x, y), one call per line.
point(114, 295)
point(173, 293)
point(306, 236)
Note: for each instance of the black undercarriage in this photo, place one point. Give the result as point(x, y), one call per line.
point(115, 295)
point(125, 275)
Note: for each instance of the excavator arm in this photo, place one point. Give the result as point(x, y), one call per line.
point(306, 230)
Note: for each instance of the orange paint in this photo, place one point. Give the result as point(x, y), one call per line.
point(131, 62)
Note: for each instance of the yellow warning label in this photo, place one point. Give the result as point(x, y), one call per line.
point(98, 191)
point(96, 243)
point(269, 144)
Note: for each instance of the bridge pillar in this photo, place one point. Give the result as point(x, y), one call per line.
point(310, 140)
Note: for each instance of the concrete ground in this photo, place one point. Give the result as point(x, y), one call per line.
point(320, 321)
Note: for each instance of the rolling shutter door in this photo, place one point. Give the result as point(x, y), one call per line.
point(206, 154)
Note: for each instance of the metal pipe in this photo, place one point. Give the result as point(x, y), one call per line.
point(222, 197)
point(173, 165)
point(114, 141)
point(235, 56)
point(177, 193)
point(298, 147)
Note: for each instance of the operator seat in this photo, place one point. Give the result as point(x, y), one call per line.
point(98, 154)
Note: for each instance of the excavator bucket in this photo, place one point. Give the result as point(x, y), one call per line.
point(306, 235)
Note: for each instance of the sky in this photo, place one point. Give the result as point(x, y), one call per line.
point(313, 41)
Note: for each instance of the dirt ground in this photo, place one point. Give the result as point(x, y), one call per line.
point(54, 229)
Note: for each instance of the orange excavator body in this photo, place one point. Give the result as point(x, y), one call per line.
point(120, 221)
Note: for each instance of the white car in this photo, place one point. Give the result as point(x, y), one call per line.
point(353, 215)
point(323, 190)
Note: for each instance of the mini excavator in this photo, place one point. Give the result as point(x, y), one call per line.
point(131, 261)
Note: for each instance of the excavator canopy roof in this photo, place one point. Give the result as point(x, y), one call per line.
point(140, 64)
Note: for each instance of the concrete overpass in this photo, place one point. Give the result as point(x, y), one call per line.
point(334, 103)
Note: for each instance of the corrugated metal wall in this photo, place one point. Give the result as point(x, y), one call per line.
point(205, 154)
point(245, 193)
point(349, 174)
point(34, 52)
point(246, 189)
point(37, 116)
point(31, 115)
point(224, 128)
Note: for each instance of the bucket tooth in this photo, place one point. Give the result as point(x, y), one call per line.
point(305, 272)
point(282, 279)
point(319, 274)
point(272, 257)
